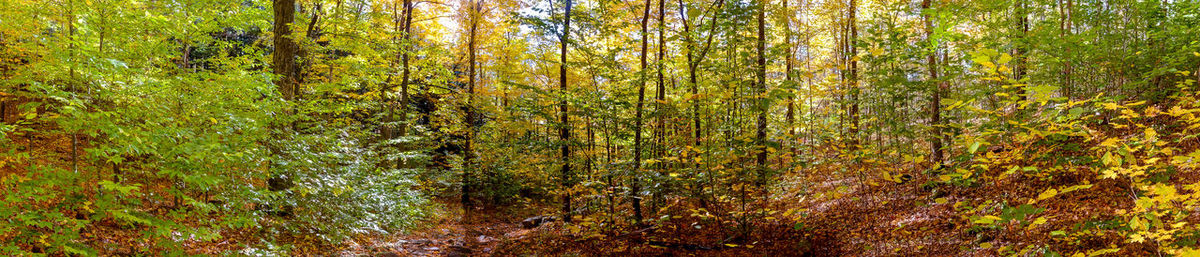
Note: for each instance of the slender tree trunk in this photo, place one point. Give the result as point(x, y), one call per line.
point(810, 75)
point(404, 75)
point(760, 102)
point(1066, 28)
point(73, 85)
point(1021, 47)
point(854, 87)
point(564, 130)
point(840, 102)
point(637, 135)
point(935, 105)
point(469, 150)
point(660, 128)
point(787, 71)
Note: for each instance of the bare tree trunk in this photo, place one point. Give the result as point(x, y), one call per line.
point(935, 105)
point(407, 46)
point(787, 71)
point(469, 150)
point(564, 131)
point(637, 135)
point(660, 128)
point(760, 103)
point(1066, 26)
point(1021, 47)
point(854, 87)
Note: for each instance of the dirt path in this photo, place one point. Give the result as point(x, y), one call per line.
point(449, 235)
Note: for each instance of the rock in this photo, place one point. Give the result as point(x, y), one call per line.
point(537, 221)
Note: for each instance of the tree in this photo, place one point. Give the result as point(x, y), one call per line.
point(761, 103)
point(935, 104)
point(283, 63)
point(636, 188)
point(855, 90)
point(474, 14)
point(564, 130)
point(1021, 47)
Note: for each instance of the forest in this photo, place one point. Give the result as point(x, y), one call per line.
point(600, 128)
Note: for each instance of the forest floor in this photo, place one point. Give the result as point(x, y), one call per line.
point(838, 217)
point(823, 212)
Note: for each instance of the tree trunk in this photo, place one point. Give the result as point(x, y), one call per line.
point(637, 134)
point(660, 128)
point(1066, 26)
point(469, 150)
point(854, 87)
point(1021, 48)
point(935, 104)
point(284, 65)
point(787, 71)
point(564, 130)
point(404, 53)
point(760, 102)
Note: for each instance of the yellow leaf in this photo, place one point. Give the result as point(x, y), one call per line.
point(876, 51)
point(1049, 193)
point(985, 245)
point(942, 200)
point(989, 219)
point(1038, 221)
point(1110, 142)
point(1137, 238)
point(1004, 58)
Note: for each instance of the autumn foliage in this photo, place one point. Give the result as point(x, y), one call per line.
point(600, 128)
